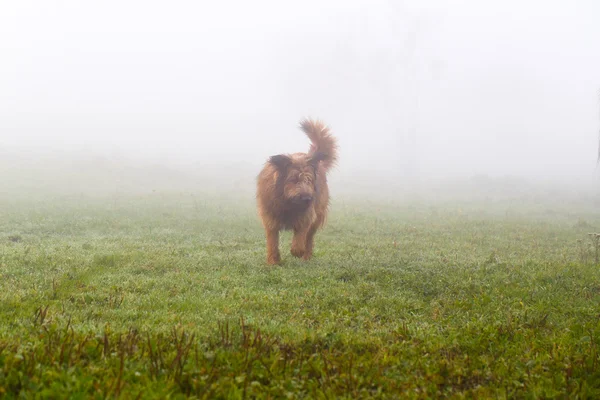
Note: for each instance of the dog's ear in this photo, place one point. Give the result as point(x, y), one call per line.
point(316, 157)
point(281, 161)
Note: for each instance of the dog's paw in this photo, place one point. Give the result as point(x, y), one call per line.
point(274, 259)
point(297, 252)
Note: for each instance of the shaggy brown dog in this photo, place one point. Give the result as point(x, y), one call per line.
point(292, 192)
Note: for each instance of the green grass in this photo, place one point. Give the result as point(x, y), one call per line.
point(168, 296)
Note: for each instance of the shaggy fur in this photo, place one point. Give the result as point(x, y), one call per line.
point(292, 192)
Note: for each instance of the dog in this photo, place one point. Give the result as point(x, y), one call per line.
point(292, 192)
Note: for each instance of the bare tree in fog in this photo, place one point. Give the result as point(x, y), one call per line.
point(398, 80)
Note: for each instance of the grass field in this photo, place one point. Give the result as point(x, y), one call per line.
point(167, 295)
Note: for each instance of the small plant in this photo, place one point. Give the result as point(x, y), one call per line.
point(584, 251)
point(595, 238)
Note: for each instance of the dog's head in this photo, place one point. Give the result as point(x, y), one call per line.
point(297, 177)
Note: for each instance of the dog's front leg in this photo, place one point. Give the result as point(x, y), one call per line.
point(298, 243)
point(310, 237)
point(273, 256)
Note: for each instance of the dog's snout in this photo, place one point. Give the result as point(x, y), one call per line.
point(303, 199)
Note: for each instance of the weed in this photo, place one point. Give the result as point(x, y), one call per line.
point(15, 238)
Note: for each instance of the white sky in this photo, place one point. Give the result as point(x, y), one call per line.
point(431, 88)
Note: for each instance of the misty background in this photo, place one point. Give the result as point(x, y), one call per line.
point(123, 94)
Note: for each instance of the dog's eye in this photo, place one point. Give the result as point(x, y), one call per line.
point(307, 177)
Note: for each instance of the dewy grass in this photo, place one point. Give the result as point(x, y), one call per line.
point(169, 296)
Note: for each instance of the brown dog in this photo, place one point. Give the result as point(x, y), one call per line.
point(292, 192)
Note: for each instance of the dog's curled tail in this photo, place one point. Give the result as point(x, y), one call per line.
point(323, 143)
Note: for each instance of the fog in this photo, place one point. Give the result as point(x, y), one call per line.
point(415, 91)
